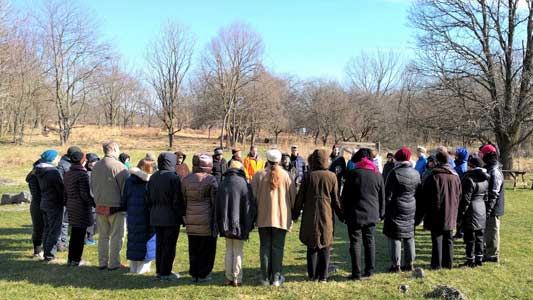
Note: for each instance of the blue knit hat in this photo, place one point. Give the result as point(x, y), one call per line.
point(49, 155)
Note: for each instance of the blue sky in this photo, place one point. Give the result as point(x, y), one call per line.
point(306, 38)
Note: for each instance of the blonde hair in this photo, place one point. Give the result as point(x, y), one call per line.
point(275, 175)
point(146, 166)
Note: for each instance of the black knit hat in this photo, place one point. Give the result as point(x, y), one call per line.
point(71, 150)
point(76, 157)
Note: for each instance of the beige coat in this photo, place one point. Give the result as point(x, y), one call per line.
point(274, 207)
point(107, 181)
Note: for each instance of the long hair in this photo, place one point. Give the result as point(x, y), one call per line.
point(275, 175)
point(145, 166)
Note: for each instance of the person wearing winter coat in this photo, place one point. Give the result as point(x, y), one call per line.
point(52, 189)
point(441, 194)
point(253, 163)
point(376, 159)
point(35, 211)
point(164, 201)
point(125, 159)
point(297, 164)
point(141, 236)
point(401, 188)
point(318, 197)
point(275, 192)
point(90, 161)
point(182, 169)
point(235, 155)
point(338, 165)
point(199, 191)
point(422, 161)
point(79, 203)
point(472, 217)
point(432, 163)
point(220, 165)
point(495, 203)
point(107, 182)
point(363, 204)
point(461, 161)
point(389, 165)
point(63, 166)
point(235, 216)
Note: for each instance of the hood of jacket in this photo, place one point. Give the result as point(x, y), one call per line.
point(42, 167)
point(480, 174)
point(367, 164)
point(462, 156)
point(401, 164)
point(232, 172)
point(166, 161)
point(140, 174)
point(180, 153)
point(444, 169)
point(318, 160)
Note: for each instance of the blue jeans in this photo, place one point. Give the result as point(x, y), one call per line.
point(52, 230)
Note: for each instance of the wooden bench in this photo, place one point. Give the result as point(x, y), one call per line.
point(515, 176)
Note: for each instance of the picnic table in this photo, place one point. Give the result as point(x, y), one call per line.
point(515, 176)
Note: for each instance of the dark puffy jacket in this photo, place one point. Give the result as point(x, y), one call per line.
point(164, 198)
point(141, 236)
point(51, 186)
point(439, 201)
point(199, 195)
point(78, 197)
point(472, 211)
point(338, 166)
point(235, 206)
point(33, 185)
point(401, 189)
point(461, 161)
point(64, 165)
point(496, 199)
point(298, 164)
point(219, 168)
point(363, 197)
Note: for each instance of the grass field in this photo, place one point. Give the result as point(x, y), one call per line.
point(22, 278)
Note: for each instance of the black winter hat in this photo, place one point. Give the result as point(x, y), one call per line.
point(92, 157)
point(76, 157)
point(475, 161)
point(71, 150)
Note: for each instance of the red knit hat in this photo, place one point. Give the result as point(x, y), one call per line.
point(488, 149)
point(404, 154)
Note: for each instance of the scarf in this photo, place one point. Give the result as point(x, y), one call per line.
point(365, 163)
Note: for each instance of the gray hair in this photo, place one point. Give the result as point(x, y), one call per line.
point(109, 147)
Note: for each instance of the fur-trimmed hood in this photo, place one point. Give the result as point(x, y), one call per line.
point(318, 160)
point(140, 174)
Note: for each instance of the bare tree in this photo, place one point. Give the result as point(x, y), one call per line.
point(73, 56)
point(230, 63)
point(482, 51)
point(169, 59)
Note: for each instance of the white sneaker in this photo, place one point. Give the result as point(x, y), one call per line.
point(279, 282)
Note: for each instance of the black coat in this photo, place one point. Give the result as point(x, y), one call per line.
point(50, 185)
point(164, 198)
point(472, 211)
point(338, 166)
point(387, 168)
point(219, 168)
point(235, 206)
point(401, 189)
point(363, 198)
point(78, 197)
point(33, 185)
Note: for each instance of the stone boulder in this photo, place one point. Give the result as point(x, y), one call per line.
point(446, 293)
point(22, 197)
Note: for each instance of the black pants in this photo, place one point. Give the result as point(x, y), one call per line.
point(202, 251)
point(442, 249)
point(37, 226)
point(474, 244)
point(77, 241)
point(364, 234)
point(53, 219)
point(165, 249)
point(91, 230)
point(318, 263)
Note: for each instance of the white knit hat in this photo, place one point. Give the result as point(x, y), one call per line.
point(274, 155)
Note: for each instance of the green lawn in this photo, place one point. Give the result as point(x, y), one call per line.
point(22, 278)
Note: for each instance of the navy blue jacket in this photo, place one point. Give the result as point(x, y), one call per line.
point(141, 236)
point(298, 163)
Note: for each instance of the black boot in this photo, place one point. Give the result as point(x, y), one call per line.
point(469, 263)
point(479, 260)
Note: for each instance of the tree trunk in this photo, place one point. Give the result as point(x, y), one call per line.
point(170, 140)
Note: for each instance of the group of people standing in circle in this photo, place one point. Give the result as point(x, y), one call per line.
point(229, 199)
